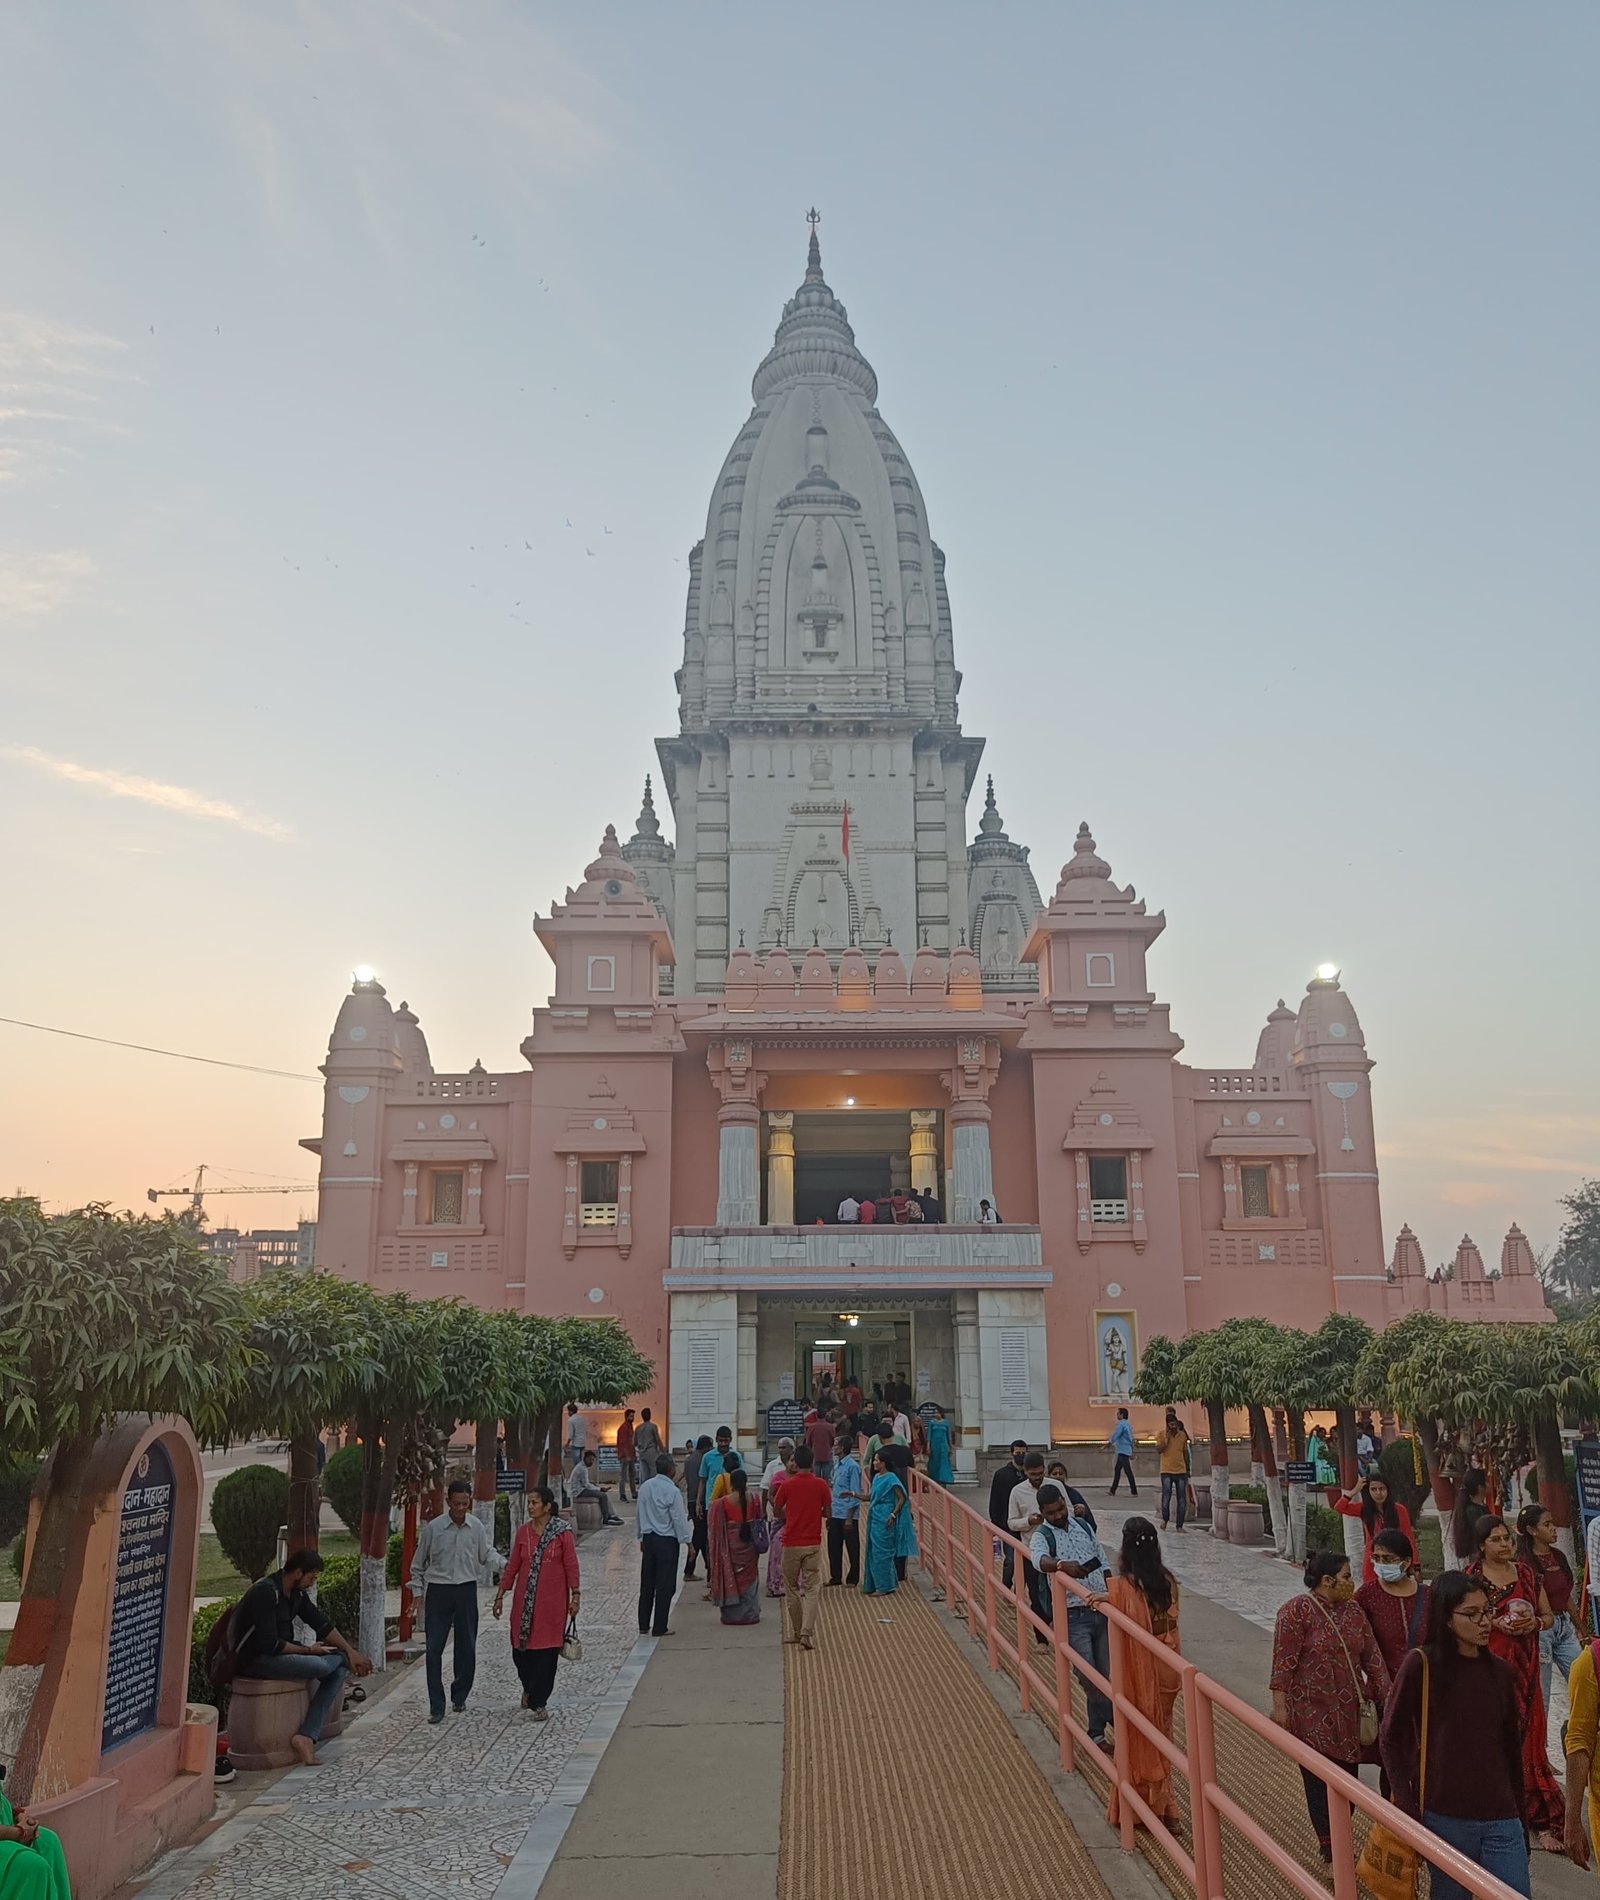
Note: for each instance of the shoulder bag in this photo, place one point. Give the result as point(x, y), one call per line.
point(571, 1648)
point(1389, 1866)
point(1369, 1719)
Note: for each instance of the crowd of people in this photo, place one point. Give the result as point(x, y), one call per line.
point(1354, 1670)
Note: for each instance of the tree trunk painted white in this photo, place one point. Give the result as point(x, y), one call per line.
point(1280, 1515)
point(1219, 1501)
point(1258, 1472)
point(1446, 1543)
point(1355, 1545)
point(1297, 1523)
point(374, 1641)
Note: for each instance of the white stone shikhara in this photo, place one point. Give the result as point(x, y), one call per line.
point(819, 673)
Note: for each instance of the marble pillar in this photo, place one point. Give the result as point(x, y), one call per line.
point(747, 1421)
point(968, 1436)
point(925, 1151)
point(780, 1168)
point(971, 1172)
point(738, 1173)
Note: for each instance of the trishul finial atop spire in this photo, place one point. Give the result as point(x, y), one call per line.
point(814, 250)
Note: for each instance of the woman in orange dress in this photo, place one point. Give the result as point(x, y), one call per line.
point(1146, 1592)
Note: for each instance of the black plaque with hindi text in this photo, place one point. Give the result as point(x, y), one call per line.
point(139, 1601)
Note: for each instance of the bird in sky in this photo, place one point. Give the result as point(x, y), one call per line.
point(589, 552)
point(608, 530)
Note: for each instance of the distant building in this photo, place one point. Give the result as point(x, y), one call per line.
point(266, 1251)
point(830, 984)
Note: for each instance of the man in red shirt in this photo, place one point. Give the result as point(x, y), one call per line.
point(627, 1470)
point(800, 1504)
point(869, 1211)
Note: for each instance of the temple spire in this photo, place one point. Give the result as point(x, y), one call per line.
point(814, 250)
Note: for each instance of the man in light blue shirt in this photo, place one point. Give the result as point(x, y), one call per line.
point(1121, 1442)
point(1065, 1543)
point(844, 1519)
point(662, 1524)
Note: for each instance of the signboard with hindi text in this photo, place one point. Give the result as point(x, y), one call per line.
point(785, 1418)
point(139, 1601)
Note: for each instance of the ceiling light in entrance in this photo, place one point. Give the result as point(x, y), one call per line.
point(827, 1342)
point(849, 1101)
point(848, 1319)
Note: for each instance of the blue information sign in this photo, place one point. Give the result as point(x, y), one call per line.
point(1586, 1469)
point(514, 1479)
point(1301, 1471)
point(139, 1601)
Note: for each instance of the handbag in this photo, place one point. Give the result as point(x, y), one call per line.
point(760, 1535)
point(1368, 1720)
point(1388, 1866)
point(571, 1647)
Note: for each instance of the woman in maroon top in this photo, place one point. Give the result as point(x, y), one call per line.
point(1473, 1796)
point(1520, 1608)
point(1325, 1663)
point(1538, 1549)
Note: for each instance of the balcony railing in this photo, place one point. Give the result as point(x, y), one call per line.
point(1114, 1213)
point(931, 1256)
point(597, 1213)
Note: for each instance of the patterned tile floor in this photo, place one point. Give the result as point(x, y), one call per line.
point(403, 1811)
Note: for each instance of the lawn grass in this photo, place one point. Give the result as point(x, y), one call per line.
point(214, 1575)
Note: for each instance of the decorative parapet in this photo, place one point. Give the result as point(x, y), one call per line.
point(847, 1258)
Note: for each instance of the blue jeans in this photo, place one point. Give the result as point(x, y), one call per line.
point(1499, 1848)
point(1558, 1644)
point(1089, 1637)
point(1174, 1484)
point(326, 1672)
point(450, 1609)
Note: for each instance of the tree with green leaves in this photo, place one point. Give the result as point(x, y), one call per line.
point(1574, 1264)
point(1221, 1369)
point(1157, 1381)
point(100, 1314)
point(311, 1361)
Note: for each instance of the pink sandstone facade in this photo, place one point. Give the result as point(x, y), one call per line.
point(821, 987)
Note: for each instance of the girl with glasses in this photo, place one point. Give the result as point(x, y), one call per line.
point(1473, 1797)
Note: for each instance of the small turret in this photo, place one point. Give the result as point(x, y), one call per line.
point(1275, 1045)
point(411, 1043)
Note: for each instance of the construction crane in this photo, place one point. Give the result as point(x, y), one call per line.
point(196, 1193)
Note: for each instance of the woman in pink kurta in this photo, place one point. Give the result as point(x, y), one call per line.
point(542, 1579)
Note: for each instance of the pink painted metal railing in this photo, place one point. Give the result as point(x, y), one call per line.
point(957, 1547)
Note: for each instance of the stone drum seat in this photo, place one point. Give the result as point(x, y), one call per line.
point(262, 1715)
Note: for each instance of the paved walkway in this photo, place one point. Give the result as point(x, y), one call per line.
point(402, 1811)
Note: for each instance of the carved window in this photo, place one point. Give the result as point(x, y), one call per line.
point(1255, 1193)
point(597, 1194)
point(1100, 970)
point(446, 1197)
point(1108, 1189)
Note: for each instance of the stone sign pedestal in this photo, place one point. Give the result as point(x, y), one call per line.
point(113, 1756)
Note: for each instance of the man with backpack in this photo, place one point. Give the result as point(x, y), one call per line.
point(260, 1642)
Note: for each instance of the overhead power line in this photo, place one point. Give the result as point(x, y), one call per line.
point(144, 1048)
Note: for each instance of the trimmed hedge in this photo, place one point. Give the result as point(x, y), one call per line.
point(339, 1595)
point(341, 1486)
point(16, 1483)
point(201, 1687)
point(248, 1509)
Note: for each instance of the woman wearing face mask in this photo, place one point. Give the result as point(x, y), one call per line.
point(1325, 1664)
point(1520, 1609)
point(1394, 1601)
point(1379, 1510)
point(1537, 1548)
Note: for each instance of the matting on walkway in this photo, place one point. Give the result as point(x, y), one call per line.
point(902, 1779)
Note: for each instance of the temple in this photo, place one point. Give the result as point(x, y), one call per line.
point(830, 985)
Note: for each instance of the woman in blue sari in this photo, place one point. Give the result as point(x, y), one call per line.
point(891, 1536)
point(938, 1430)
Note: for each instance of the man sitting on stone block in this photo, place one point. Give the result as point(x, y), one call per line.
point(265, 1646)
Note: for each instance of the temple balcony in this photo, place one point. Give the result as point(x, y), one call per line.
point(855, 1258)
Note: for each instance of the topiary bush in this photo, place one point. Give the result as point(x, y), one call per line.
point(16, 1483)
point(1397, 1463)
point(201, 1687)
point(341, 1486)
point(339, 1595)
point(248, 1509)
point(392, 1561)
point(1324, 1528)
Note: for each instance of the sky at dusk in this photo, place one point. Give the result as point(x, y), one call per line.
point(365, 370)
